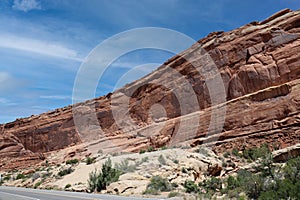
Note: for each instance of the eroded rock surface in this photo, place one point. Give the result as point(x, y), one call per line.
point(259, 66)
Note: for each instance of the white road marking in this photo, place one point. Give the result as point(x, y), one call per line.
point(21, 196)
point(52, 194)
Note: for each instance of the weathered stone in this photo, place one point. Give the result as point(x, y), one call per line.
point(259, 65)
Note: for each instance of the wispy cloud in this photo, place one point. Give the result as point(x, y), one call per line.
point(57, 97)
point(26, 5)
point(9, 83)
point(38, 46)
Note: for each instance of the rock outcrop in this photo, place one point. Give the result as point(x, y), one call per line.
point(259, 64)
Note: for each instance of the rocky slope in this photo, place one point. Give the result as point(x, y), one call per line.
point(259, 66)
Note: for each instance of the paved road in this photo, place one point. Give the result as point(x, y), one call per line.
point(12, 193)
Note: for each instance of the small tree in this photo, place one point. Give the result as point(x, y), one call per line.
point(99, 181)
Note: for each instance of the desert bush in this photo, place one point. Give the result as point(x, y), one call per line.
point(100, 180)
point(90, 160)
point(175, 161)
point(191, 187)
point(235, 152)
point(226, 154)
point(211, 184)
point(145, 159)
point(158, 184)
point(125, 167)
point(142, 151)
point(72, 161)
point(257, 152)
point(164, 148)
point(7, 178)
point(173, 194)
point(37, 184)
point(65, 172)
point(162, 160)
point(20, 176)
point(150, 149)
point(68, 186)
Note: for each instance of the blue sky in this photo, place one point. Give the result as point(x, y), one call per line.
point(42, 43)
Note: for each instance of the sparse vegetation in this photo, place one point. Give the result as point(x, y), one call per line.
point(20, 176)
point(142, 151)
point(164, 148)
point(100, 180)
point(235, 152)
point(158, 184)
point(150, 149)
point(162, 160)
point(173, 194)
point(68, 186)
point(90, 160)
point(257, 152)
point(175, 161)
point(37, 184)
point(202, 150)
point(145, 159)
point(72, 162)
point(125, 167)
point(271, 181)
point(190, 187)
point(65, 172)
point(226, 154)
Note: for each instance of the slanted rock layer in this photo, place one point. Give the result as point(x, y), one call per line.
point(260, 67)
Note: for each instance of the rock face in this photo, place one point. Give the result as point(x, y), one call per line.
point(259, 64)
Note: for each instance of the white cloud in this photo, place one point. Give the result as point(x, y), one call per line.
point(37, 46)
point(4, 77)
point(10, 84)
point(57, 97)
point(26, 5)
point(3, 100)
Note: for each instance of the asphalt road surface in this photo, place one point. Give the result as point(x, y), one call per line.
point(13, 193)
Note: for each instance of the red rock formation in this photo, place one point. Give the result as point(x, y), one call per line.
point(258, 63)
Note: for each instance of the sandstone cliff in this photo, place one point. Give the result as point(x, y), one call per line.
point(259, 66)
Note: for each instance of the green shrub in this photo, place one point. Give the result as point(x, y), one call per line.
point(145, 159)
point(150, 149)
point(68, 186)
point(142, 151)
point(65, 172)
point(90, 160)
point(164, 148)
point(173, 194)
point(20, 176)
point(257, 152)
point(72, 161)
point(175, 161)
point(100, 180)
point(184, 170)
point(162, 160)
point(211, 185)
point(226, 154)
point(37, 184)
point(232, 183)
point(191, 187)
point(125, 167)
point(235, 152)
point(271, 181)
point(7, 178)
point(158, 184)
